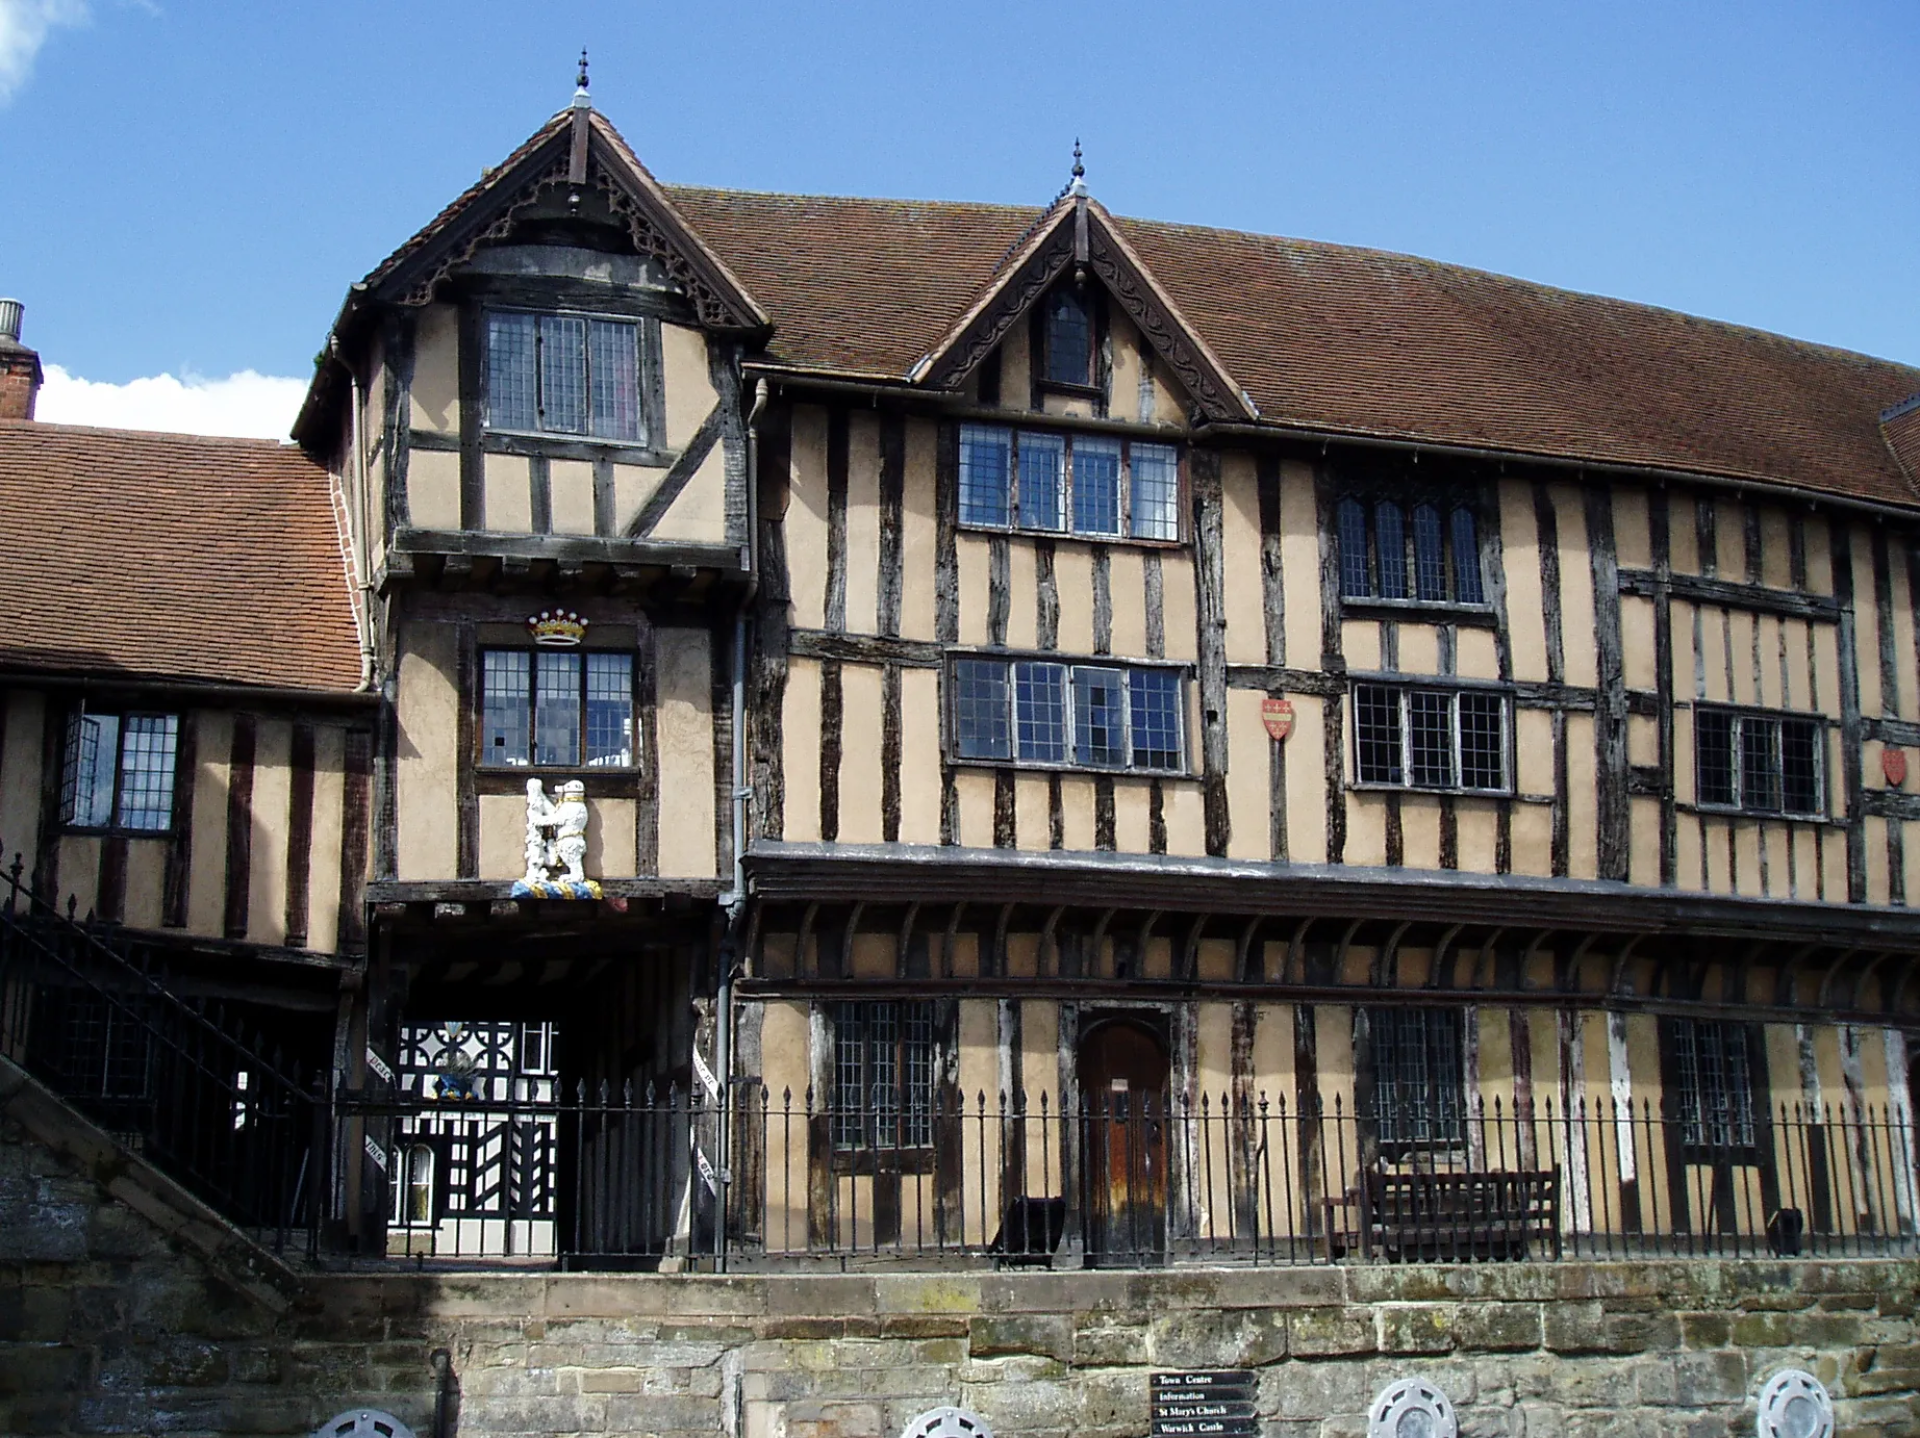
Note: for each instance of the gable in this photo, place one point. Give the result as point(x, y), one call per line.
point(1078, 236)
point(575, 155)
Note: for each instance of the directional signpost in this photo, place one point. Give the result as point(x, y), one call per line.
point(1203, 1405)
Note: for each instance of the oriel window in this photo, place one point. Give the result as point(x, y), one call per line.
point(565, 374)
point(559, 709)
point(118, 771)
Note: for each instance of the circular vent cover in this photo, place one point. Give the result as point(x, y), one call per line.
point(1411, 1408)
point(1794, 1405)
point(947, 1423)
point(363, 1423)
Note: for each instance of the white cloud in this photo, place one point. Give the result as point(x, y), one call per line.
point(23, 30)
point(248, 404)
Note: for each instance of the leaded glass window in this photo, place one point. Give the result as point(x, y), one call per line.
point(559, 709)
point(883, 1074)
point(1052, 482)
point(1757, 762)
point(1418, 1085)
point(1390, 553)
point(118, 771)
point(1429, 738)
point(565, 374)
point(1051, 712)
point(1713, 1073)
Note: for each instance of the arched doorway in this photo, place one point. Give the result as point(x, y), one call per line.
point(1123, 1079)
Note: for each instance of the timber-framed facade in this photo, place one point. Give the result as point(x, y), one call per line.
point(1046, 675)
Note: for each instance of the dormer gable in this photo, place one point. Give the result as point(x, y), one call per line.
point(577, 182)
point(1073, 260)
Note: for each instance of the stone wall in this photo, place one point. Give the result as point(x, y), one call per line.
point(125, 1307)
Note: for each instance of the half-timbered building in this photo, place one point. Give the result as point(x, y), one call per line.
point(1101, 740)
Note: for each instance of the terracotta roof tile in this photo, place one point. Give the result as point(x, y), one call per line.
point(1329, 337)
point(1901, 426)
point(171, 556)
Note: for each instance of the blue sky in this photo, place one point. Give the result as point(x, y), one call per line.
point(190, 187)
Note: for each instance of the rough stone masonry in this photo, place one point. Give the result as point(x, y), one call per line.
point(127, 1307)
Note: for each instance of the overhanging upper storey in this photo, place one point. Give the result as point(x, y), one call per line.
point(543, 381)
point(1070, 241)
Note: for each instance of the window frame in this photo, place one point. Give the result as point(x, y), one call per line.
point(1065, 496)
point(915, 1128)
point(1695, 1086)
point(1394, 1103)
point(583, 769)
point(1043, 351)
point(116, 825)
point(1446, 507)
point(1822, 727)
point(1404, 686)
point(649, 404)
point(1126, 668)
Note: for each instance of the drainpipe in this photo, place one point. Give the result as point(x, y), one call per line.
point(735, 899)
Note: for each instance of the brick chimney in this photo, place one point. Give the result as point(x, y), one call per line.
point(19, 366)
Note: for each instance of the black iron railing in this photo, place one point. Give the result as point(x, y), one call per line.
point(625, 1178)
point(91, 1014)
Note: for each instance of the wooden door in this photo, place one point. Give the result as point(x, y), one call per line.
point(1123, 1079)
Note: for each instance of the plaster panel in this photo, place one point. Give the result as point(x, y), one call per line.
point(863, 522)
point(1300, 563)
point(570, 486)
point(433, 489)
point(428, 714)
point(1244, 591)
point(699, 514)
point(1249, 794)
point(1306, 781)
point(919, 530)
point(329, 814)
point(435, 389)
point(272, 797)
point(920, 756)
point(683, 679)
point(860, 751)
point(146, 883)
point(207, 867)
point(973, 556)
point(805, 522)
point(690, 395)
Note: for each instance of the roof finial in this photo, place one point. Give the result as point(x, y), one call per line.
point(580, 96)
point(1078, 187)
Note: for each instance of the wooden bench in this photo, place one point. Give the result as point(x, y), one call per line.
point(1448, 1217)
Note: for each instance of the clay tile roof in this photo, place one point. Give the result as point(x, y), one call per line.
point(163, 556)
point(1349, 341)
point(1901, 426)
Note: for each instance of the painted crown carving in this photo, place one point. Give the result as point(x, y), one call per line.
point(556, 628)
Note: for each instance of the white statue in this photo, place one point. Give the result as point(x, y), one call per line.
point(557, 839)
point(568, 849)
point(537, 811)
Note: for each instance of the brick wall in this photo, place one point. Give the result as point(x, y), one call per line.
point(125, 1308)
